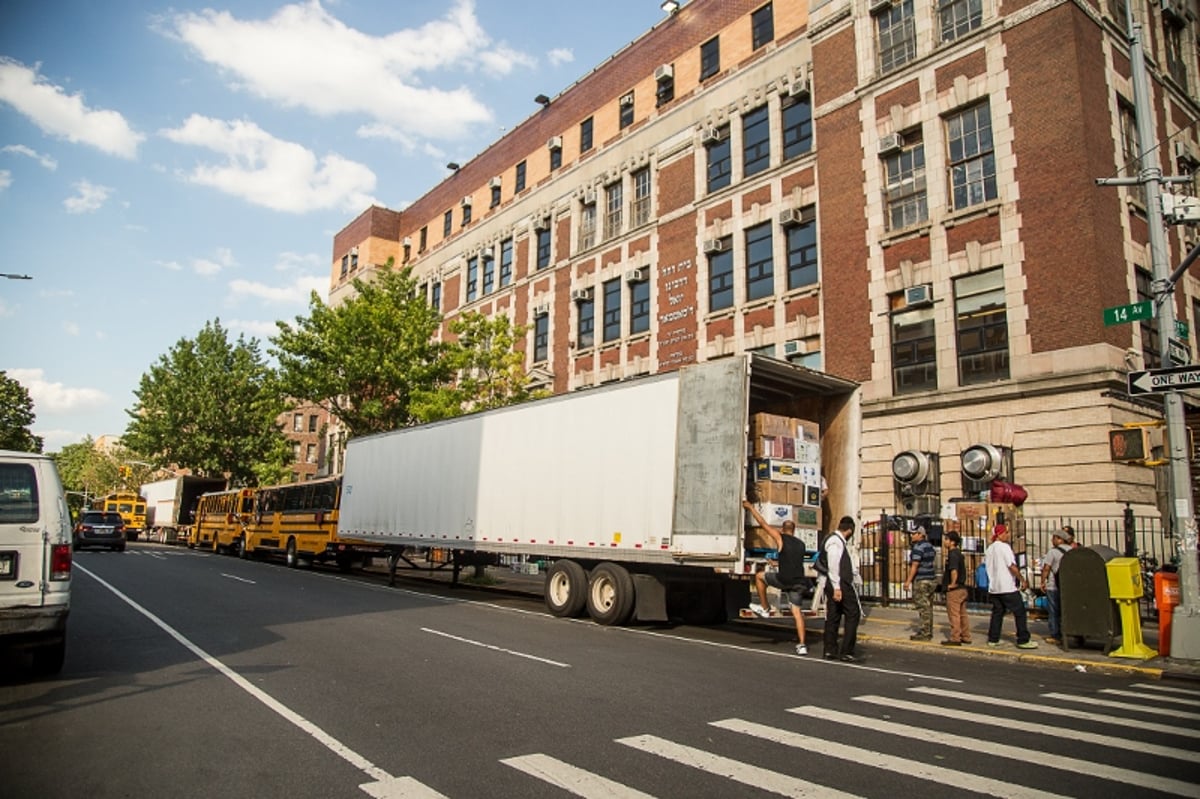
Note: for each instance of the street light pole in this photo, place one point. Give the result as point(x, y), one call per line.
point(12, 276)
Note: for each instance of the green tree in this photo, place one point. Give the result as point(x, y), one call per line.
point(16, 416)
point(489, 370)
point(367, 358)
point(86, 472)
point(209, 406)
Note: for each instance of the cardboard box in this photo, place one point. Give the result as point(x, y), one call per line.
point(773, 492)
point(807, 431)
point(774, 513)
point(786, 471)
point(808, 517)
point(771, 424)
point(756, 538)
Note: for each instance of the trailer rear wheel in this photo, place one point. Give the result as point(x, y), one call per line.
point(610, 596)
point(566, 589)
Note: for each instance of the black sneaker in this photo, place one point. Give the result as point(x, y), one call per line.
point(851, 659)
point(830, 657)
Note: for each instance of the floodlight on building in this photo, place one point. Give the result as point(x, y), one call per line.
point(542, 100)
point(452, 166)
point(670, 6)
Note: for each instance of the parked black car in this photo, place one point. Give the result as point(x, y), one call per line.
point(98, 529)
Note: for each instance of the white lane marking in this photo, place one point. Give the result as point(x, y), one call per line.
point(572, 779)
point(736, 770)
point(384, 791)
point(1066, 733)
point(1051, 710)
point(1174, 689)
point(993, 748)
point(1131, 706)
point(1189, 701)
point(495, 648)
point(239, 579)
point(909, 766)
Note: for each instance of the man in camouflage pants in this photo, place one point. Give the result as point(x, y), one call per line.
point(922, 581)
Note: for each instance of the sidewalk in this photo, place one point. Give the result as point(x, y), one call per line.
point(891, 626)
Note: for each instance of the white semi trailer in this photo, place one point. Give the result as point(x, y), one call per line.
point(170, 504)
point(631, 491)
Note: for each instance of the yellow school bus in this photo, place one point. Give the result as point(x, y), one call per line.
point(296, 520)
point(221, 520)
point(131, 506)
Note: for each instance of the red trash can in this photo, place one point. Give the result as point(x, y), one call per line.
point(1166, 596)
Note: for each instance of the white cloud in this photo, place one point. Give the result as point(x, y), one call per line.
point(304, 57)
point(559, 56)
point(256, 328)
point(71, 328)
point(271, 172)
point(173, 266)
point(89, 197)
point(5, 308)
point(55, 397)
point(65, 116)
point(207, 267)
point(55, 440)
point(293, 261)
point(5, 179)
point(21, 149)
point(295, 293)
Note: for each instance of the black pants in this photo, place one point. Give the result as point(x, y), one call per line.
point(849, 608)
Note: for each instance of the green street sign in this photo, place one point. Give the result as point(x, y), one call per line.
point(1181, 329)
point(1122, 314)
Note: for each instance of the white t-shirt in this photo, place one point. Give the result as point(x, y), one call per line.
point(999, 557)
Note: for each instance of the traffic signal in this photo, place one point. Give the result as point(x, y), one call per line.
point(1129, 444)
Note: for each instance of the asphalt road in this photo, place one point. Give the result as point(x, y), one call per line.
point(190, 674)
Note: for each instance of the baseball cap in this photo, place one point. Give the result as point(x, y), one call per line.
point(919, 530)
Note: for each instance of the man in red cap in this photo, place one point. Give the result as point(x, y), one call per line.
point(1004, 588)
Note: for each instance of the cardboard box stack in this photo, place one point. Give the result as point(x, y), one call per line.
point(786, 477)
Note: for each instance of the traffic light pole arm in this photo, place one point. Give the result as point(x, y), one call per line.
point(1168, 288)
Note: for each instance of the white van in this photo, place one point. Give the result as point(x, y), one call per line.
point(35, 558)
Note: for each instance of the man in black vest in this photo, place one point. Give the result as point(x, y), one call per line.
point(841, 594)
point(789, 577)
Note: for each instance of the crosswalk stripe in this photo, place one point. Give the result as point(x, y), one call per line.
point(1172, 689)
point(1189, 701)
point(735, 770)
point(572, 779)
point(1081, 736)
point(962, 781)
point(1153, 711)
point(1051, 710)
point(1019, 753)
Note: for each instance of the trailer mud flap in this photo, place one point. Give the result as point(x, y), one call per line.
point(651, 598)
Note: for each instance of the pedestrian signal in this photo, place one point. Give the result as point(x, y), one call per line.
point(1129, 444)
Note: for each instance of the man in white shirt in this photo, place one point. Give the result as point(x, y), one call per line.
point(841, 594)
point(1004, 588)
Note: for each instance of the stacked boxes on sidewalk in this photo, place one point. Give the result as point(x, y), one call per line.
point(785, 478)
point(974, 521)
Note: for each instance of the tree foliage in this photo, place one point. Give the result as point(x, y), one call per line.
point(16, 417)
point(489, 370)
point(210, 406)
point(367, 358)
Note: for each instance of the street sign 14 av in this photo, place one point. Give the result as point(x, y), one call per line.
point(1122, 314)
point(1154, 381)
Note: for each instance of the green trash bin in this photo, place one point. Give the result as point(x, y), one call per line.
point(1088, 610)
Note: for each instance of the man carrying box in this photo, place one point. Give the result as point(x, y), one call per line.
point(789, 576)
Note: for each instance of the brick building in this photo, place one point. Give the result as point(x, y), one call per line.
point(306, 428)
point(898, 193)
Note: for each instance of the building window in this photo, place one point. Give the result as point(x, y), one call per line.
point(972, 160)
point(613, 204)
point(664, 91)
point(720, 162)
point(797, 127)
point(1151, 344)
point(495, 196)
point(436, 296)
point(489, 273)
point(896, 35)
point(519, 183)
point(914, 351)
point(555, 158)
point(802, 254)
point(506, 261)
point(466, 214)
point(587, 226)
point(762, 26)
point(1174, 34)
point(541, 337)
point(639, 306)
point(585, 336)
point(407, 249)
point(982, 327)
point(1131, 149)
point(345, 264)
point(472, 278)
point(543, 248)
point(756, 142)
point(312, 423)
point(353, 259)
point(612, 309)
point(639, 211)
point(310, 453)
point(297, 423)
point(424, 240)
point(447, 223)
point(626, 104)
point(710, 58)
point(720, 277)
point(585, 135)
point(904, 178)
point(760, 265)
point(295, 453)
point(959, 17)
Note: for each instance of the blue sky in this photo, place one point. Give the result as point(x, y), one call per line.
point(165, 165)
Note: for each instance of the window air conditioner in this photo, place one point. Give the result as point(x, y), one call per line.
point(542, 309)
point(918, 295)
point(798, 88)
point(554, 143)
point(581, 295)
point(636, 275)
point(880, 5)
point(466, 202)
point(796, 216)
point(407, 241)
point(713, 245)
point(542, 222)
point(627, 99)
point(711, 135)
point(589, 196)
point(354, 251)
point(891, 143)
point(791, 348)
point(494, 183)
point(665, 72)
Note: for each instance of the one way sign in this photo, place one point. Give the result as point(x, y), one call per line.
point(1156, 381)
